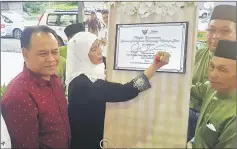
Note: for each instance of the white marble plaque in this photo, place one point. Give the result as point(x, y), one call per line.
point(136, 45)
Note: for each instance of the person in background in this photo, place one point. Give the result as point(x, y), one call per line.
point(70, 31)
point(222, 25)
point(34, 106)
point(103, 35)
point(94, 25)
point(216, 127)
point(88, 91)
point(61, 71)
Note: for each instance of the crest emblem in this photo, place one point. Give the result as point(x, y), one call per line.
point(144, 31)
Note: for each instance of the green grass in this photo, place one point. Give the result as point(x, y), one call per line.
point(64, 7)
point(57, 6)
point(35, 14)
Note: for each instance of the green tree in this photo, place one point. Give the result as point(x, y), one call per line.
point(33, 7)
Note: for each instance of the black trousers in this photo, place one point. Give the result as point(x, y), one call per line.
point(192, 123)
point(104, 61)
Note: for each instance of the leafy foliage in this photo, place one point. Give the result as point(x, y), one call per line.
point(68, 3)
point(34, 7)
point(39, 7)
point(64, 7)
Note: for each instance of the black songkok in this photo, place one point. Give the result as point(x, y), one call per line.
point(224, 12)
point(226, 49)
point(74, 28)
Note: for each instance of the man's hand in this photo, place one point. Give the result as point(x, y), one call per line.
point(190, 144)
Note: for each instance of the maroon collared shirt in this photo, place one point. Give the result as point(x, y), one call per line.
point(35, 112)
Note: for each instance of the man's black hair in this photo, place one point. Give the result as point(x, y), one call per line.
point(93, 12)
point(105, 11)
point(29, 31)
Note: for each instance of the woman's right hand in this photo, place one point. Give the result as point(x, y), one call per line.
point(161, 59)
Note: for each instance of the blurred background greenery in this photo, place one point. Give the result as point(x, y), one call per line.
point(3, 89)
point(37, 8)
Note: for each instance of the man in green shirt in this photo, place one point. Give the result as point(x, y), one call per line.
point(216, 127)
point(70, 31)
point(61, 70)
point(222, 26)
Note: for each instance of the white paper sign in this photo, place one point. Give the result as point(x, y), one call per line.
point(137, 44)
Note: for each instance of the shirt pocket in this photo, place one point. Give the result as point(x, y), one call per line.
point(209, 136)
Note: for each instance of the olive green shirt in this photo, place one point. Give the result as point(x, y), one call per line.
point(63, 51)
point(61, 71)
point(201, 65)
point(218, 111)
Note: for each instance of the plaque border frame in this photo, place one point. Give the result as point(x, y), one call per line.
point(184, 64)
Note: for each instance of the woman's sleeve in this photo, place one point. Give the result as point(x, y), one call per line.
point(116, 92)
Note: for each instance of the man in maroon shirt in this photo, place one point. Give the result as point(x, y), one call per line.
point(34, 106)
